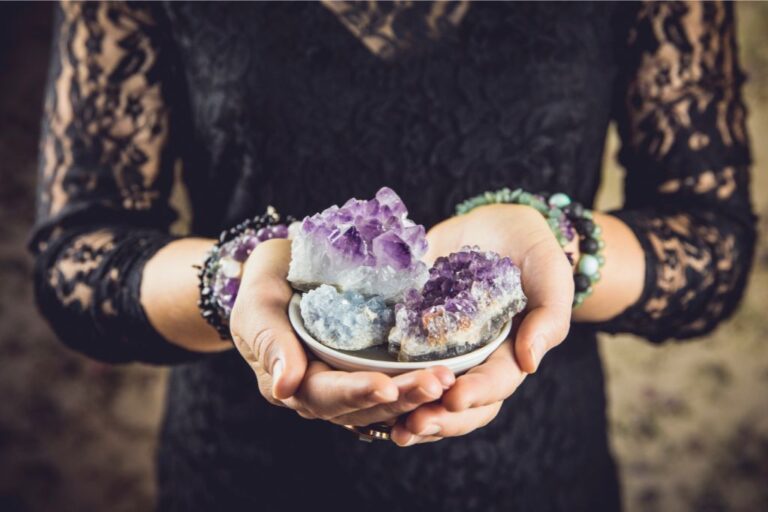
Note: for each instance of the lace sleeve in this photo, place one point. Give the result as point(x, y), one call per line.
point(105, 171)
point(684, 146)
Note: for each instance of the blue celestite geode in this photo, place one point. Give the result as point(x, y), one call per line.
point(467, 299)
point(346, 320)
point(366, 246)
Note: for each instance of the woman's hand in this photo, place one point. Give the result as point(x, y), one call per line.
point(264, 337)
point(522, 234)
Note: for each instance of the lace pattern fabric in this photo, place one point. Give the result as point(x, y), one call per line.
point(105, 154)
point(107, 150)
point(686, 153)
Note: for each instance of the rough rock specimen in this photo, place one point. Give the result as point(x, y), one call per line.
point(370, 247)
point(467, 299)
point(346, 320)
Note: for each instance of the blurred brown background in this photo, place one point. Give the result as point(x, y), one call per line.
point(689, 422)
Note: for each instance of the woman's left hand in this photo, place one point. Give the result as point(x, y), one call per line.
point(522, 234)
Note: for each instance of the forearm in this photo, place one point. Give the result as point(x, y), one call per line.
point(623, 275)
point(169, 294)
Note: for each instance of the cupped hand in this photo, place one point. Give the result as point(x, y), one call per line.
point(265, 339)
point(522, 234)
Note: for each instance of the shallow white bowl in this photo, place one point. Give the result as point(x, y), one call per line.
point(377, 359)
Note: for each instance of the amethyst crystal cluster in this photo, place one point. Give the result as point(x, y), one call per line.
point(370, 247)
point(468, 298)
point(232, 254)
point(367, 285)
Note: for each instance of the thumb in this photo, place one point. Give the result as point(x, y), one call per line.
point(543, 328)
point(280, 353)
point(265, 338)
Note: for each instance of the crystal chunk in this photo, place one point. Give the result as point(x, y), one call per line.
point(367, 246)
point(346, 320)
point(467, 299)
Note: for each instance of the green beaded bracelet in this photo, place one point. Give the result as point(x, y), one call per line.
point(556, 219)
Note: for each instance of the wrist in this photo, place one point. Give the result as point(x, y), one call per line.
point(222, 271)
point(169, 295)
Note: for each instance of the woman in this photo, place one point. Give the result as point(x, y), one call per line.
point(154, 111)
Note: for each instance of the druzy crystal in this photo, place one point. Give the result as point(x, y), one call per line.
point(345, 320)
point(467, 299)
point(366, 246)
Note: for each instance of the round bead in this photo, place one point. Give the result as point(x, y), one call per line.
point(589, 246)
point(601, 259)
point(597, 230)
point(576, 210)
point(588, 264)
point(230, 268)
point(585, 227)
point(560, 200)
point(581, 282)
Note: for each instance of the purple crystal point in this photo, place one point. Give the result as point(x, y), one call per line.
point(390, 249)
point(390, 202)
point(467, 299)
point(366, 246)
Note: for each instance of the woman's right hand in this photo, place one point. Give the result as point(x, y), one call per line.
point(265, 339)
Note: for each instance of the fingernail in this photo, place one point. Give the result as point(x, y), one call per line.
point(383, 397)
point(430, 430)
point(277, 372)
point(538, 349)
point(412, 439)
point(447, 379)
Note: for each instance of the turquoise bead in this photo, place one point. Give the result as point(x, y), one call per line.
point(588, 264)
point(560, 200)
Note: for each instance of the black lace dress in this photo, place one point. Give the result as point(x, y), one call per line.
point(166, 120)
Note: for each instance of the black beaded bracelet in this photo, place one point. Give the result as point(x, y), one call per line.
point(219, 276)
point(591, 246)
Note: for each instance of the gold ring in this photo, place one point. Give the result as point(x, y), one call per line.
point(370, 433)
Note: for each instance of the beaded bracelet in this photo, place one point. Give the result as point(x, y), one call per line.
point(220, 273)
point(564, 217)
point(591, 247)
point(558, 222)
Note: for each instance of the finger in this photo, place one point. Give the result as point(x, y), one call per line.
point(434, 420)
point(328, 394)
point(259, 321)
point(415, 388)
point(269, 344)
point(414, 439)
point(548, 282)
point(494, 380)
point(542, 329)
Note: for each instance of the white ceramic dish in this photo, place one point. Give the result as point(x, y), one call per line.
point(377, 359)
